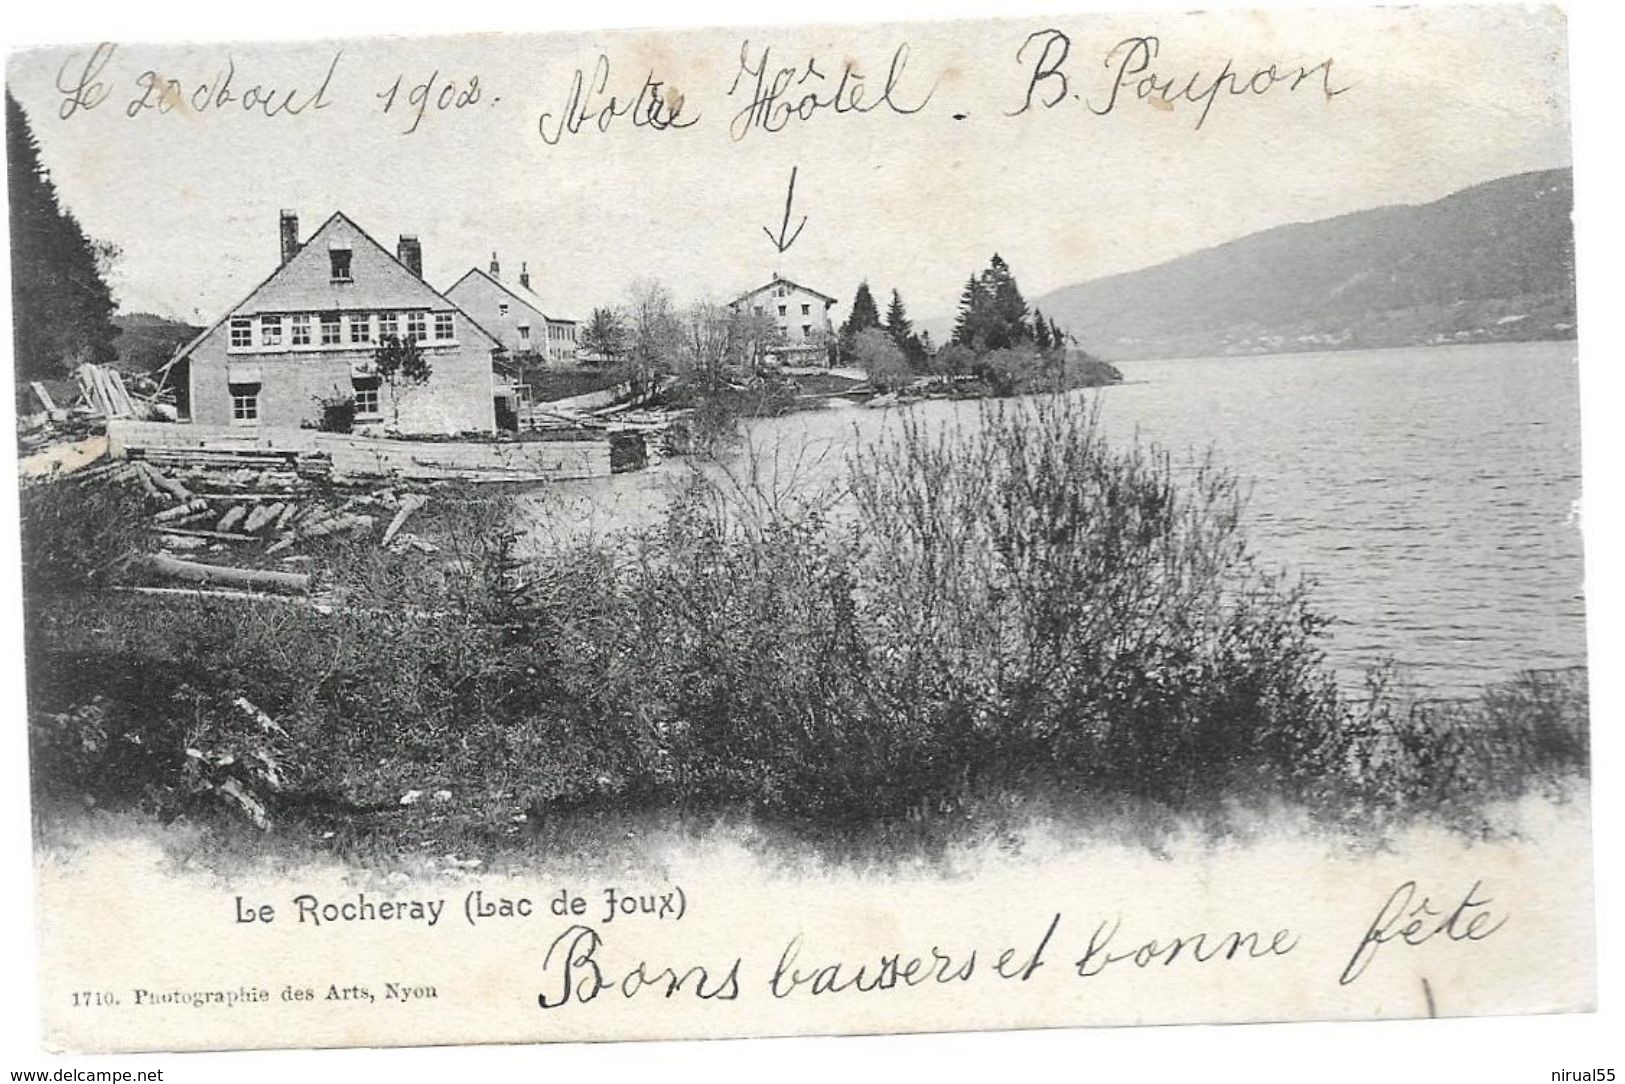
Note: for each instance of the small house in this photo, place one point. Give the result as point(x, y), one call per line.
point(801, 316)
point(307, 336)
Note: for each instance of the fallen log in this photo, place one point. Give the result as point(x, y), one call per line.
point(409, 504)
point(165, 482)
point(221, 536)
point(181, 511)
point(110, 471)
point(163, 564)
point(182, 542)
point(260, 516)
point(321, 528)
point(146, 485)
point(203, 592)
point(234, 515)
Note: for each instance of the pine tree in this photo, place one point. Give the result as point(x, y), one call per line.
point(62, 308)
point(969, 325)
point(1057, 336)
point(1041, 333)
point(898, 325)
point(1007, 309)
point(864, 315)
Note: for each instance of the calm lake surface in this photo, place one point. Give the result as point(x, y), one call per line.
point(1430, 493)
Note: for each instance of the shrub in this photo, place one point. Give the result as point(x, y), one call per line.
point(1012, 609)
point(76, 533)
point(338, 414)
point(881, 361)
point(1047, 604)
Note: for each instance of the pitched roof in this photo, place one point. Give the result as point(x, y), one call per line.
point(285, 290)
point(511, 292)
point(304, 283)
point(779, 280)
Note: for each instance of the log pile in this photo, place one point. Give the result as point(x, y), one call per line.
point(259, 515)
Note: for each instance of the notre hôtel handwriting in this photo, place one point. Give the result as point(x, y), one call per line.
point(770, 90)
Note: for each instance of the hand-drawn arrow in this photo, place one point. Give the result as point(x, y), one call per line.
point(779, 242)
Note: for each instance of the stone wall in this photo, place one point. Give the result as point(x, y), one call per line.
point(359, 457)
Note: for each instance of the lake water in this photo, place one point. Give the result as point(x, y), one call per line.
point(1429, 492)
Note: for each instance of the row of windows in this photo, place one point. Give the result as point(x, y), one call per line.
point(245, 400)
point(337, 329)
point(806, 310)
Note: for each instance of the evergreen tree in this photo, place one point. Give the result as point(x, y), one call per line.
point(901, 330)
point(61, 307)
point(1057, 336)
point(898, 325)
point(864, 315)
point(1041, 333)
point(1007, 309)
point(970, 324)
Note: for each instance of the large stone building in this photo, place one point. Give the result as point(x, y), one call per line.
point(513, 313)
point(307, 335)
point(801, 315)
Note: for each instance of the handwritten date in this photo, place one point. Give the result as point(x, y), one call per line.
point(414, 100)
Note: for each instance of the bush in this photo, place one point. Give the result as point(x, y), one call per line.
point(1010, 610)
point(75, 534)
point(1048, 606)
point(1024, 370)
point(1397, 754)
point(881, 361)
point(338, 414)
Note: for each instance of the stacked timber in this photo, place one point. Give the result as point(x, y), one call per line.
point(102, 389)
point(261, 516)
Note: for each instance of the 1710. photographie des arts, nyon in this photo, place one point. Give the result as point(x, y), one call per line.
point(745, 532)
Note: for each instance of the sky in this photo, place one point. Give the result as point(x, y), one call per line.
point(915, 193)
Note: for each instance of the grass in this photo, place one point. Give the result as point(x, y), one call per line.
point(982, 629)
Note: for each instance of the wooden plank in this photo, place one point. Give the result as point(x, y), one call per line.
point(52, 411)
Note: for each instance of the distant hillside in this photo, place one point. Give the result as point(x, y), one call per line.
point(1490, 263)
point(146, 341)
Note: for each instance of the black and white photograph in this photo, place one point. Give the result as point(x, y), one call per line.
point(748, 531)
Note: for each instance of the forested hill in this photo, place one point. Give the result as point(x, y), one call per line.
point(146, 341)
point(1493, 262)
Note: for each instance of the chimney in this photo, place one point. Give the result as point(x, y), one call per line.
point(496, 271)
point(410, 252)
point(290, 235)
point(524, 274)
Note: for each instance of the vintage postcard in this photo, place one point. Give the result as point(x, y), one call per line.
point(798, 530)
